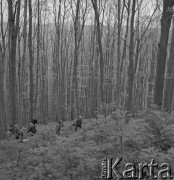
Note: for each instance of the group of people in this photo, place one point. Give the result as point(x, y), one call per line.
point(17, 133)
point(77, 124)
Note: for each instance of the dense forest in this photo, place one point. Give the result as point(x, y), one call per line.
point(109, 62)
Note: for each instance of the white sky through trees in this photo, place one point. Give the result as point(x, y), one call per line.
point(147, 8)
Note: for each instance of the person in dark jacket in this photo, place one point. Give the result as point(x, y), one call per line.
point(78, 123)
point(14, 132)
point(10, 131)
point(32, 127)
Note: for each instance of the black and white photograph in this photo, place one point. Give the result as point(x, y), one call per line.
point(86, 89)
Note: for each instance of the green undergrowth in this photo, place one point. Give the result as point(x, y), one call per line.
point(78, 155)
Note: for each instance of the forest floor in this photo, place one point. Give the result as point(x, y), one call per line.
point(78, 155)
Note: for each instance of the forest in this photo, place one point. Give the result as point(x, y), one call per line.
point(109, 63)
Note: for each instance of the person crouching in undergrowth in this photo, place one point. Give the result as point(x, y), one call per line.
point(13, 132)
point(58, 128)
point(32, 127)
point(78, 123)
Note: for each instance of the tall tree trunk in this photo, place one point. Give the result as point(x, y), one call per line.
point(31, 58)
point(123, 57)
point(23, 64)
point(131, 60)
point(162, 51)
point(38, 54)
point(169, 80)
point(74, 96)
point(93, 84)
point(99, 38)
point(118, 52)
point(2, 112)
point(56, 60)
point(13, 32)
point(2, 74)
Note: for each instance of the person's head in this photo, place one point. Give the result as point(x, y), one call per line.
point(34, 121)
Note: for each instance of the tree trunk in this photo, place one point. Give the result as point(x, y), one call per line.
point(119, 52)
point(169, 80)
point(74, 99)
point(2, 112)
point(123, 57)
point(162, 51)
point(23, 116)
point(38, 55)
point(13, 32)
point(99, 38)
point(78, 31)
point(131, 60)
point(31, 58)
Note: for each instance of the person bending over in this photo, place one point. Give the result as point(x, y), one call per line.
point(32, 127)
point(78, 123)
point(58, 128)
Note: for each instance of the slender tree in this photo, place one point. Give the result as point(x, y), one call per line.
point(31, 58)
point(23, 61)
point(38, 52)
point(74, 96)
point(13, 21)
point(3, 49)
point(118, 52)
point(169, 79)
point(131, 59)
point(2, 120)
point(124, 50)
point(99, 38)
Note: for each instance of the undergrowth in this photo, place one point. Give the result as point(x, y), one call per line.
point(78, 155)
